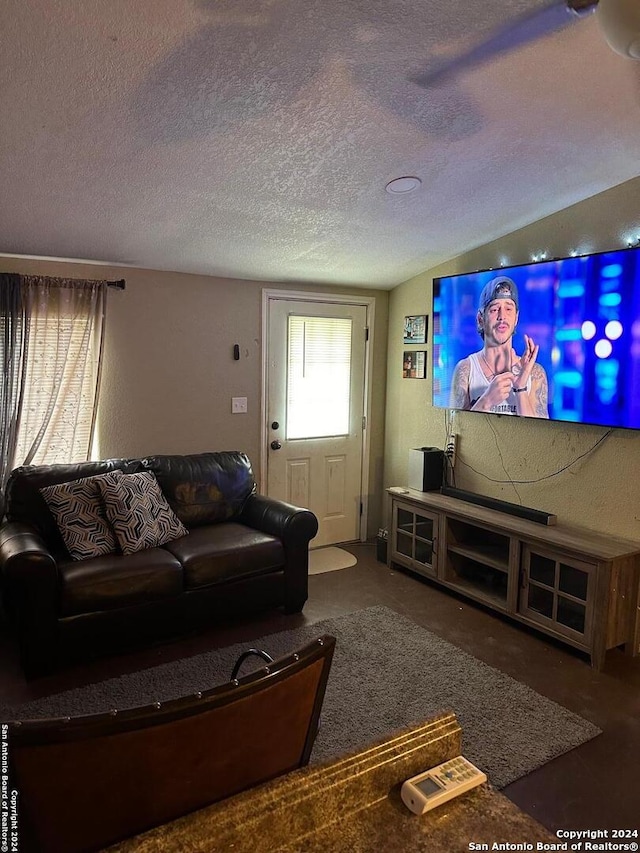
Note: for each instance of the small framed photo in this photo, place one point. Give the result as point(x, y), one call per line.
point(414, 364)
point(415, 329)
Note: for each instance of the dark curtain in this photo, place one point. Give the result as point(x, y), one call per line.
point(13, 342)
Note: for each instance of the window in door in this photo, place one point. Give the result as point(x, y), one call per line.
point(318, 377)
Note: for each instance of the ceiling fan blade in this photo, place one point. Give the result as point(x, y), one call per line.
point(522, 31)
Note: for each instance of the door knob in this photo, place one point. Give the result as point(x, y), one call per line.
point(276, 445)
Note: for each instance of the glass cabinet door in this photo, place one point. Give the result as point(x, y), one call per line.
point(558, 593)
point(414, 538)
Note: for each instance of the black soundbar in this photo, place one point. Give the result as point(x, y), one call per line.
point(536, 515)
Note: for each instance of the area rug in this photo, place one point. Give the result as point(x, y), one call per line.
point(329, 559)
point(387, 673)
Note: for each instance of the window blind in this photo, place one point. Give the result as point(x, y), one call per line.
point(318, 376)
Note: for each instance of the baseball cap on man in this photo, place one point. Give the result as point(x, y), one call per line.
point(501, 287)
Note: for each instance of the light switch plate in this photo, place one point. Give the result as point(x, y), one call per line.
point(238, 405)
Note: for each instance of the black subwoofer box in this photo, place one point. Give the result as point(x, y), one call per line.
point(426, 466)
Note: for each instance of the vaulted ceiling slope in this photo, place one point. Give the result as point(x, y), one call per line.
point(254, 138)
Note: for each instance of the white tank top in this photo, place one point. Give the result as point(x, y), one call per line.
point(478, 384)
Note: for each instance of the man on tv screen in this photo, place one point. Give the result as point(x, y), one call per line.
point(496, 379)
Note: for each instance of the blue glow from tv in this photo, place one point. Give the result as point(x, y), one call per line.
point(610, 299)
point(592, 378)
point(612, 271)
point(572, 289)
point(570, 378)
point(569, 335)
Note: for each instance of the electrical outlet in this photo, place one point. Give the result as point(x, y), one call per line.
point(450, 449)
point(238, 405)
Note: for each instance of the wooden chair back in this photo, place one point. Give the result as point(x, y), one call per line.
point(87, 782)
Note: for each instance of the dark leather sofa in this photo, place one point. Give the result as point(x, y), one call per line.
point(244, 553)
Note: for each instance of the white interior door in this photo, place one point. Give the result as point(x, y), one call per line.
point(315, 411)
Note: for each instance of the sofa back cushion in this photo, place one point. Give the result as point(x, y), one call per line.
point(204, 488)
point(25, 503)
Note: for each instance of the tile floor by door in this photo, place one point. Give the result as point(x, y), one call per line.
point(595, 786)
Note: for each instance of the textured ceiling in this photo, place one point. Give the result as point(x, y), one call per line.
point(254, 138)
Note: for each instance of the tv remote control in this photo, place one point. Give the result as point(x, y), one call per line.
point(440, 784)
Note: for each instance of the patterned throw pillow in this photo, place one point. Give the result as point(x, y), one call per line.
point(79, 513)
point(138, 511)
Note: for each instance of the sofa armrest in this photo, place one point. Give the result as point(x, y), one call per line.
point(290, 523)
point(29, 577)
point(295, 527)
point(20, 542)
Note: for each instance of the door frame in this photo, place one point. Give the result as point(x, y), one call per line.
point(369, 302)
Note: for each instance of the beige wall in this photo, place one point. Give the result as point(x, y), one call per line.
point(169, 377)
point(169, 374)
point(600, 491)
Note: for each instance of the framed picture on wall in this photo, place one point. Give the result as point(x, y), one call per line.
point(415, 329)
point(414, 364)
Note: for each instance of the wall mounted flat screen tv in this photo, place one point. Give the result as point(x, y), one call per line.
point(583, 314)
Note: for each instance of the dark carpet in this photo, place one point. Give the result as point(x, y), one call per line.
point(387, 673)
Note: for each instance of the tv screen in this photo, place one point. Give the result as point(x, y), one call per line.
point(557, 339)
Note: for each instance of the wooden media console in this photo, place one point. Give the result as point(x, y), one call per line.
point(575, 585)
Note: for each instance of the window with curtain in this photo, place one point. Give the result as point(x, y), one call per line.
point(52, 341)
